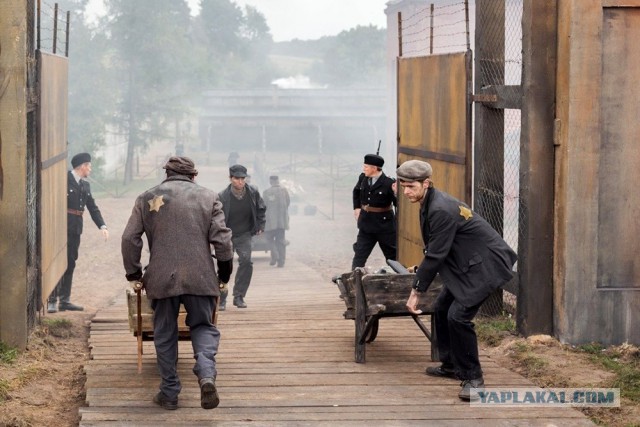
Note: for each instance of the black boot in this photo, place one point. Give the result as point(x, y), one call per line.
point(239, 302)
point(222, 304)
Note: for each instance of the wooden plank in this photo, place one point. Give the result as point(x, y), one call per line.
point(278, 367)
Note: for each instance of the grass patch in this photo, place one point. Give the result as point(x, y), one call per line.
point(532, 365)
point(625, 366)
point(4, 390)
point(58, 327)
point(492, 330)
point(8, 354)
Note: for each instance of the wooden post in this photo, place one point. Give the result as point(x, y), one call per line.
point(431, 30)
point(13, 173)
point(535, 251)
point(55, 28)
point(400, 34)
point(66, 42)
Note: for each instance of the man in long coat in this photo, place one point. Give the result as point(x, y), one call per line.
point(277, 200)
point(473, 261)
point(181, 221)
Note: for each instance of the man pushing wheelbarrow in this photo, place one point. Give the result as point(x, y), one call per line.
point(181, 221)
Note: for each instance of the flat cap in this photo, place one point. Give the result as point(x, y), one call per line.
point(373, 160)
point(238, 171)
point(80, 159)
point(181, 165)
point(414, 170)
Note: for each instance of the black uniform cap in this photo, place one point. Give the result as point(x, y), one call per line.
point(373, 160)
point(80, 159)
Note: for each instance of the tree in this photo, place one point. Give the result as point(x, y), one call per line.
point(236, 43)
point(90, 99)
point(151, 55)
point(356, 59)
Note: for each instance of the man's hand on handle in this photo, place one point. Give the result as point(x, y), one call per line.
point(225, 268)
point(412, 302)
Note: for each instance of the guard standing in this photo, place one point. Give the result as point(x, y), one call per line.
point(78, 197)
point(374, 200)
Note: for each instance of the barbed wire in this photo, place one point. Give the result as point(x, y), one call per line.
point(436, 26)
point(58, 32)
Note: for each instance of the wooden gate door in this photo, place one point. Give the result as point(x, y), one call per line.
point(434, 124)
point(596, 263)
point(52, 141)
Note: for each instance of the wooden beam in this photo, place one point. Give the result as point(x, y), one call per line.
point(535, 248)
point(13, 175)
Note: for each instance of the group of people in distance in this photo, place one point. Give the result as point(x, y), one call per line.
point(471, 257)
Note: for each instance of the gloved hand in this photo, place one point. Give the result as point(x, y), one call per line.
point(225, 268)
point(136, 276)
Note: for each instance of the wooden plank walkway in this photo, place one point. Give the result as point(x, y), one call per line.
point(287, 360)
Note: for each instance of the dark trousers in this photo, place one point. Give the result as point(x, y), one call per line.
point(242, 246)
point(457, 341)
point(366, 242)
point(277, 244)
point(62, 291)
point(205, 338)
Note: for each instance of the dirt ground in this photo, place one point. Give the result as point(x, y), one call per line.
point(45, 385)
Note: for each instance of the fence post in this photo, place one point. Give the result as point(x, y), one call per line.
point(534, 314)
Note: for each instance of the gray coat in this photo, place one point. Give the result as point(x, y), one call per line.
point(471, 257)
point(181, 221)
point(277, 200)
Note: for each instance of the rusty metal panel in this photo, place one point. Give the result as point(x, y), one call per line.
point(52, 141)
point(434, 124)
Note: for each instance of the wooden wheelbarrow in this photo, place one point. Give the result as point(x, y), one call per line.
point(371, 297)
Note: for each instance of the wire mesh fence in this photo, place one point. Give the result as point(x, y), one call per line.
point(448, 26)
point(501, 66)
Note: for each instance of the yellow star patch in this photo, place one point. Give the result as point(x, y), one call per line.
point(154, 205)
point(465, 212)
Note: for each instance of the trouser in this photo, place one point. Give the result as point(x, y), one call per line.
point(242, 246)
point(62, 291)
point(205, 338)
point(365, 243)
point(277, 244)
point(456, 336)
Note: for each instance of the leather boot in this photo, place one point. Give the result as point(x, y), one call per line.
point(239, 302)
point(51, 307)
point(222, 304)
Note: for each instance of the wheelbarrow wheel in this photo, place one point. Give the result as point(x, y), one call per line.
point(373, 333)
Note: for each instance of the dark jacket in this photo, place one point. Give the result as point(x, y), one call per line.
point(379, 195)
point(258, 208)
point(78, 197)
point(181, 221)
point(471, 257)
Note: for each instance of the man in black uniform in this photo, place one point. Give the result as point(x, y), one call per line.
point(374, 199)
point(78, 196)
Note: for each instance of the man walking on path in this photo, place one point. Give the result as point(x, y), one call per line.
point(244, 211)
point(181, 220)
point(473, 261)
point(78, 197)
point(277, 200)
